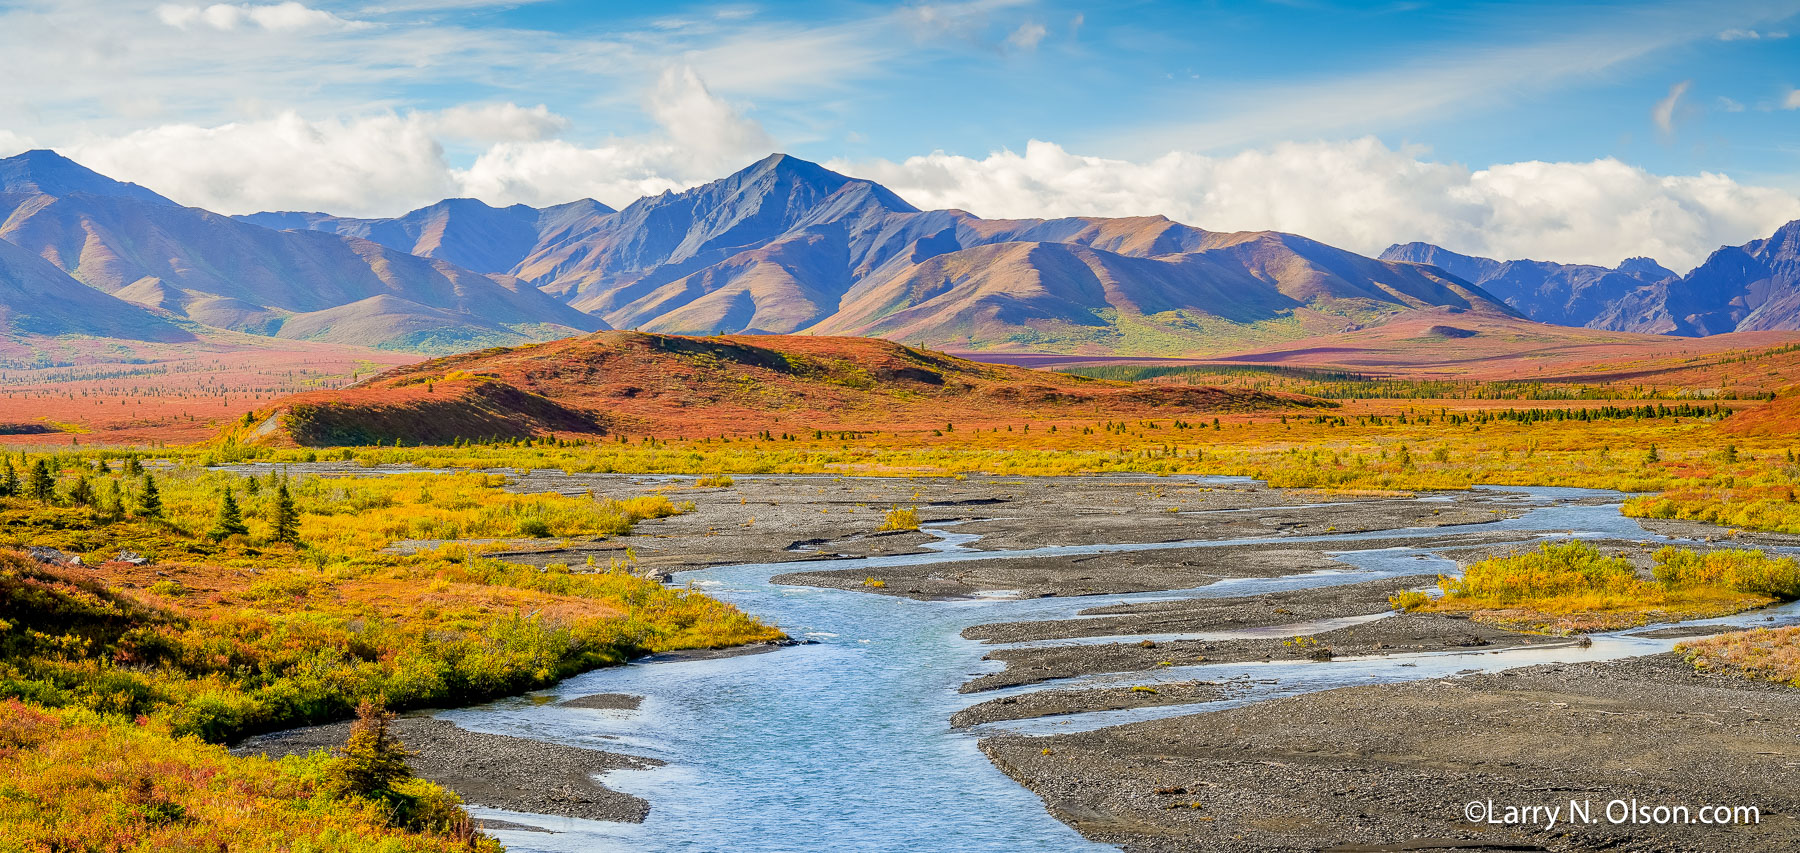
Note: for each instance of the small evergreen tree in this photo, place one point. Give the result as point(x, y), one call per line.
point(82, 493)
point(41, 486)
point(133, 468)
point(230, 520)
point(150, 502)
point(373, 760)
point(9, 479)
point(114, 502)
point(286, 521)
point(101, 467)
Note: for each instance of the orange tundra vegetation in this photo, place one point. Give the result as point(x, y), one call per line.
point(216, 637)
point(613, 383)
point(1770, 654)
point(108, 392)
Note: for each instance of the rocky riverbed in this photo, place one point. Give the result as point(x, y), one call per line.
point(1393, 767)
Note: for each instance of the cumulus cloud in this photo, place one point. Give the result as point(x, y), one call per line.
point(1363, 195)
point(1664, 111)
point(697, 119)
point(286, 162)
point(701, 137)
point(389, 163)
point(12, 143)
point(1792, 101)
point(279, 17)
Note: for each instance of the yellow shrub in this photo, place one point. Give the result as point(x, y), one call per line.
point(901, 518)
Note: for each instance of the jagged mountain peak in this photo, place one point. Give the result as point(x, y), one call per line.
point(1785, 240)
point(798, 182)
point(49, 173)
point(1645, 266)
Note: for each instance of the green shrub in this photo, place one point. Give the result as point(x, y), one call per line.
point(1744, 571)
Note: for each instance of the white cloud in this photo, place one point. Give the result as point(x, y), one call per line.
point(389, 163)
point(279, 17)
point(1363, 195)
point(555, 171)
point(360, 166)
point(1027, 36)
point(503, 122)
point(1729, 105)
point(1792, 101)
point(12, 143)
point(1752, 35)
point(702, 137)
point(698, 120)
point(1664, 111)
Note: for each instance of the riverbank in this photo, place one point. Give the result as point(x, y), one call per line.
point(509, 773)
point(1376, 767)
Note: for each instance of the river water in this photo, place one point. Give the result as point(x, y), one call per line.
point(846, 745)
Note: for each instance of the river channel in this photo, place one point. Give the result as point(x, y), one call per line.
point(844, 743)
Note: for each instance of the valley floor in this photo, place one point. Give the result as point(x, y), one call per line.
point(1304, 717)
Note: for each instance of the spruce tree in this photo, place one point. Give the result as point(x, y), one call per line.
point(42, 486)
point(150, 502)
point(286, 521)
point(82, 493)
point(133, 468)
point(9, 479)
point(373, 759)
point(114, 503)
point(230, 521)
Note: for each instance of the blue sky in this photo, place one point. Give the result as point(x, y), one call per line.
point(1550, 81)
point(1670, 127)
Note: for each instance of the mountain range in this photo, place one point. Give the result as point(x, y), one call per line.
point(1748, 288)
point(789, 247)
point(194, 266)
